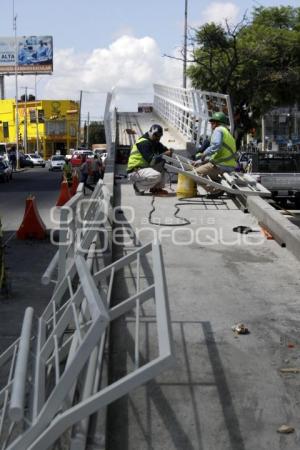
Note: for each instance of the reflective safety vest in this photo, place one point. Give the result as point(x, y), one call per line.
point(136, 160)
point(225, 156)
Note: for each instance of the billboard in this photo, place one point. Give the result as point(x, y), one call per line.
point(34, 55)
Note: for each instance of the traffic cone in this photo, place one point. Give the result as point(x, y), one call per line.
point(75, 183)
point(32, 226)
point(64, 195)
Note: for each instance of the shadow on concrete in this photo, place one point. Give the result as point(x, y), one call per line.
point(120, 427)
point(230, 416)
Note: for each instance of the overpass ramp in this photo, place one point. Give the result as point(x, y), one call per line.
point(227, 391)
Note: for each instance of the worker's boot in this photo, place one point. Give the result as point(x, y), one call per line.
point(159, 192)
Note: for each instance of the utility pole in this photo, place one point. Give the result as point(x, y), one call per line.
point(263, 134)
point(36, 117)
point(88, 131)
point(2, 87)
point(25, 121)
point(16, 85)
point(79, 119)
point(185, 44)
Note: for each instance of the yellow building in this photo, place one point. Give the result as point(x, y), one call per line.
point(53, 124)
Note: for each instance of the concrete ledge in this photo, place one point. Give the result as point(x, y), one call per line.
point(284, 231)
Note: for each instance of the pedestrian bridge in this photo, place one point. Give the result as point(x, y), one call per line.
point(136, 349)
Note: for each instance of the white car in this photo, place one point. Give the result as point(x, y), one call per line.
point(56, 162)
point(36, 159)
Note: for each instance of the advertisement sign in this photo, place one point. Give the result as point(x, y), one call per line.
point(34, 55)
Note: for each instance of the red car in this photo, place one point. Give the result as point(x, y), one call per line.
point(77, 156)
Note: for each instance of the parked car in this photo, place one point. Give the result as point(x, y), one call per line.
point(56, 162)
point(25, 161)
point(5, 171)
point(77, 156)
point(4, 151)
point(37, 159)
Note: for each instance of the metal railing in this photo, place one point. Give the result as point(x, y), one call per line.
point(110, 122)
point(82, 220)
point(69, 350)
point(55, 383)
point(234, 183)
point(189, 110)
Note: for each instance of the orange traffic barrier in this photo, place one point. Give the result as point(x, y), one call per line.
point(64, 195)
point(32, 226)
point(75, 183)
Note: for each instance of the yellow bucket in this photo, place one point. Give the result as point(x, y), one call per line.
point(186, 187)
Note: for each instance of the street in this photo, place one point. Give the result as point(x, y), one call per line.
point(41, 183)
point(25, 261)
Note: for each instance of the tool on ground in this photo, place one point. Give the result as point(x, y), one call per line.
point(240, 328)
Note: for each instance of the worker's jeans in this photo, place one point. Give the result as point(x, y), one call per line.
point(209, 169)
point(148, 178)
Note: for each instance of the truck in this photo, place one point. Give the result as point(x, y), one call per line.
point(279, 172)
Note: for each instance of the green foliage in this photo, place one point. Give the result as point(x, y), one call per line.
point(96, 133)
point(257, 62)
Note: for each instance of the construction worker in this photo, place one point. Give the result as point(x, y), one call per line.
point(220, 156)
point(96, 168)
point(145, 165)
point(85, 173)
point(68, 172)
point(204, 144)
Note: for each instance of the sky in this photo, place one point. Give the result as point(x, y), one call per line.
point(100, 45)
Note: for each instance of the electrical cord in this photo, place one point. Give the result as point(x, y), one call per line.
point(160, 224)
point(183, 201)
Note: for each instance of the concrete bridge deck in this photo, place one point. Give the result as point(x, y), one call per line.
point(226, 391)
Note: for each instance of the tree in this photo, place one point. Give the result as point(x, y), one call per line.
point(28, 98)
point(96, 133)
point(256, 62)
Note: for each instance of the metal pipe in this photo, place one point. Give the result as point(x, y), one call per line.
point(16, 408)
point(16, 86)
point(47, 276)
point(185, 44)
point(137, 316)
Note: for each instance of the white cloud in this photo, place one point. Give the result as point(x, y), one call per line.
point(129, 64)
point(218, 11)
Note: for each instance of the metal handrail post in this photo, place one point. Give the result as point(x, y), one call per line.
point(16, 408)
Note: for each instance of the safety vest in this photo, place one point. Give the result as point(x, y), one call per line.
point(226, 154)
point(136, 160)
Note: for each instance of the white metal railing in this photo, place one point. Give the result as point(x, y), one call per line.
point(234, 184)
point(110, 122)
point(68, 357)
point(55, 379)
point(189, 110)
point(81, 220)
